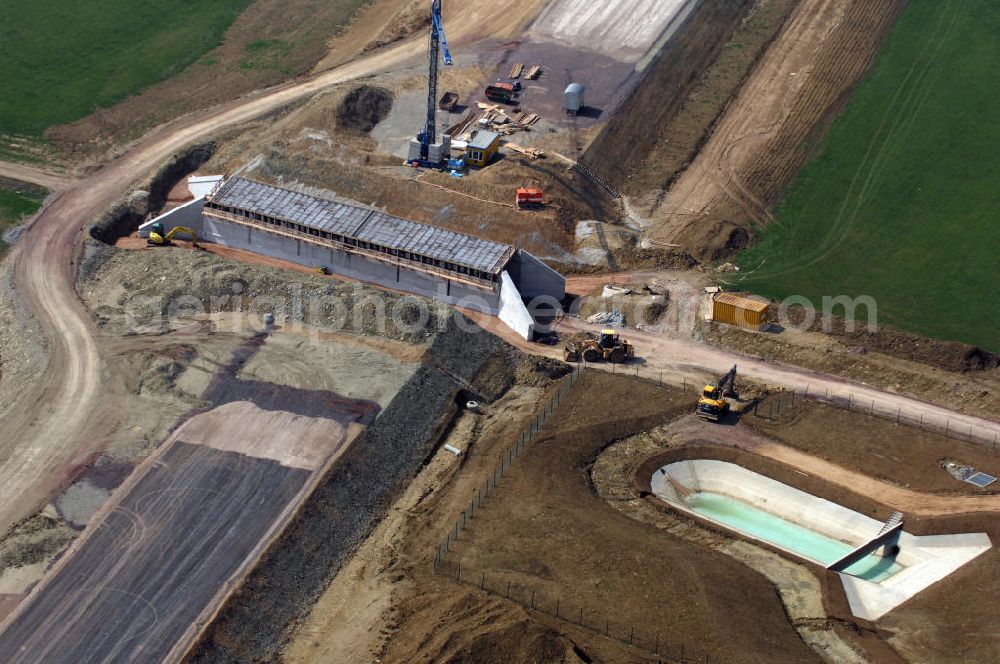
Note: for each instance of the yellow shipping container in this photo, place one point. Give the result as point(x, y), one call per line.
point(741, 311)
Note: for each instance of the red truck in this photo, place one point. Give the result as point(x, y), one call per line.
point(529, 197)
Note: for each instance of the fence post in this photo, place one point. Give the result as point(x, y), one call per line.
point(557, 608)
point(508, 588)
point(631, 634)
point(532, 598)
point(482, 582)
point(656, 649)
point(460, 572)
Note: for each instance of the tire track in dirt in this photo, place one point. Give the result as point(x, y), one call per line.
point(57, 423)
point(770, 128)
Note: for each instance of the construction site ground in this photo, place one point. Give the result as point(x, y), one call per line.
point(164, 554)
point(546, 531)
point(896, 453)
point(813, 599)
point(92, 386)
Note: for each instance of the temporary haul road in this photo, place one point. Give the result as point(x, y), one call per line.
point(52, 427)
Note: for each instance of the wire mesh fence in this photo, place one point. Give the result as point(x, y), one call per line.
point(841, 397)
point(535, 598)
point(487, 488)
point(782, 400)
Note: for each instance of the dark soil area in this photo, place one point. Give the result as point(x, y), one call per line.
point(947, 355)
point(349, 502)
point(548, 533)
point(622, 148)
point(363, 107)
point(944, 623)
point(897, 453)
point(225, 388)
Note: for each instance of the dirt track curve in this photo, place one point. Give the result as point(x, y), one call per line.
point(51, 428)
point(57, 422)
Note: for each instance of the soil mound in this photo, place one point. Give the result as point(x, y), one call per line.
point(524, 641)
point(364, 107)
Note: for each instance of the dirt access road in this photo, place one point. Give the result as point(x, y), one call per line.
point(49, 180)
point(58, 421)
point(675, 359)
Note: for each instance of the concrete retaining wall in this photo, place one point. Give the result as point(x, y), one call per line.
point(188, 215)
point(512, 309)
point(393, 276)
point(534, 278)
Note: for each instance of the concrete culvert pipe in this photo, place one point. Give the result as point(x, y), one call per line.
point(472, 405)
point(269, 319)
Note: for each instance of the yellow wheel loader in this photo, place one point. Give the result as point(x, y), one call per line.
point(608, 346)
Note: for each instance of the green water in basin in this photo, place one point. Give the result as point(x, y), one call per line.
point(788, 535)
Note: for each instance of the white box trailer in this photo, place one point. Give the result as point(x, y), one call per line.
point(573, 98)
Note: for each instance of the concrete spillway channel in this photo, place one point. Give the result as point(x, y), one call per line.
point(817, 530)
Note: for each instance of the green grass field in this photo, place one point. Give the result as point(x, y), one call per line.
point(17, 201)
point(61, 60)
point(902, 201)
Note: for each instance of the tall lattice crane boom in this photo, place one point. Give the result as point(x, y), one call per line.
point(438, 45)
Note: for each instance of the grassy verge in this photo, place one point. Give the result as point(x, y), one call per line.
point(899, 203)
point(17, 201)
point(63, 59)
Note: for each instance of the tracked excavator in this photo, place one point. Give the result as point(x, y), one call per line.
point(159, 238)
point(608, 346)
point(714, 402)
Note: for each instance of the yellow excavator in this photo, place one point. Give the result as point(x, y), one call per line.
point(608, 346)
point(159, 238)
point(714, 404)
